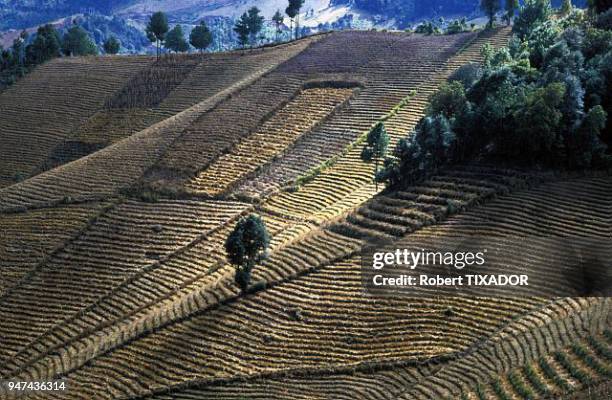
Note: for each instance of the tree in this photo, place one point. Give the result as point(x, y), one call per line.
point(511, 6)
point(278, 21)
point(449, 100)
point(291, 12)
point(490, 8)
point(112, 45)
point(175, 40)
point(376, 147)
point(76, 42)
point(296, 6)
point(255, 23)
point(46, 45)
point(242, 30)
point(200, 37)
point(532, 14)
point(566, 7)
point(246, 246)
point(157, 28)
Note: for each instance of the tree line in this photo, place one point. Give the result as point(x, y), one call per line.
point(544, 100)
point(27, 52)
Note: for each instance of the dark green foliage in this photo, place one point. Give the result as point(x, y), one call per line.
point(278, 22)
point(175, 40)
point(499, 390)
point(480, 392)
point(574, 371)
point(200, 37)
point(255, 23)
point(490, 8)
point(428, 28)
point(376, 146)
point(457, 26)
point(112, 45)
point(600, 6)
point(535, 380)
point(540, 101)
point(591, 361)
point(45, 46)
point(246, 246)
point(519, 386)
point(242, 30)
point(550, 373)
point(248, 26)
point(449, 101)
point(604, 20)
point(600, 348)
point(510, 8)
point(532, 14)
point(157, 28)
point(76, 42)
point(293, 11)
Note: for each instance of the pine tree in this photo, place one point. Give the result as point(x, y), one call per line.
point(200, 37)
point(246, 246)
point(112, 45)
point(157, 28)
point(293, 11)
point(175, 40)
point(511, 6)
point(376, 147)
point(242, 30)
point(490, 8)
point(278, 21)
point(255, 23)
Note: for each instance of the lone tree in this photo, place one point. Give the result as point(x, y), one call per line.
point(293, 11)
point(175, 40)
point(246, 246)
point(278, 21)
point(157, 28)
point(511, 7)
point(76, 42)
point(200, 37)
point(112, 45)
point(490, 8)
point(255, 23)
point(242, 30)
point(376, 147)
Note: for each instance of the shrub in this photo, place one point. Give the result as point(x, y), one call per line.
point(466, 75)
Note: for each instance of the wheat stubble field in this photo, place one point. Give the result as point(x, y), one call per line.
point(114, 214)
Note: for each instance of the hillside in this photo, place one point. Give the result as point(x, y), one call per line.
point(122, 178)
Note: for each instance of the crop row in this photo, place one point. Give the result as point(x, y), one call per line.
point(121, 242)
point(27, 238)
point(272, 138)
point(192, 292)
point(386, 84)
point(198, 78)
point(45, 107)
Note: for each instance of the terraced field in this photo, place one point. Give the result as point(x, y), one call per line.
point(52, 101)
point(133, 299)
